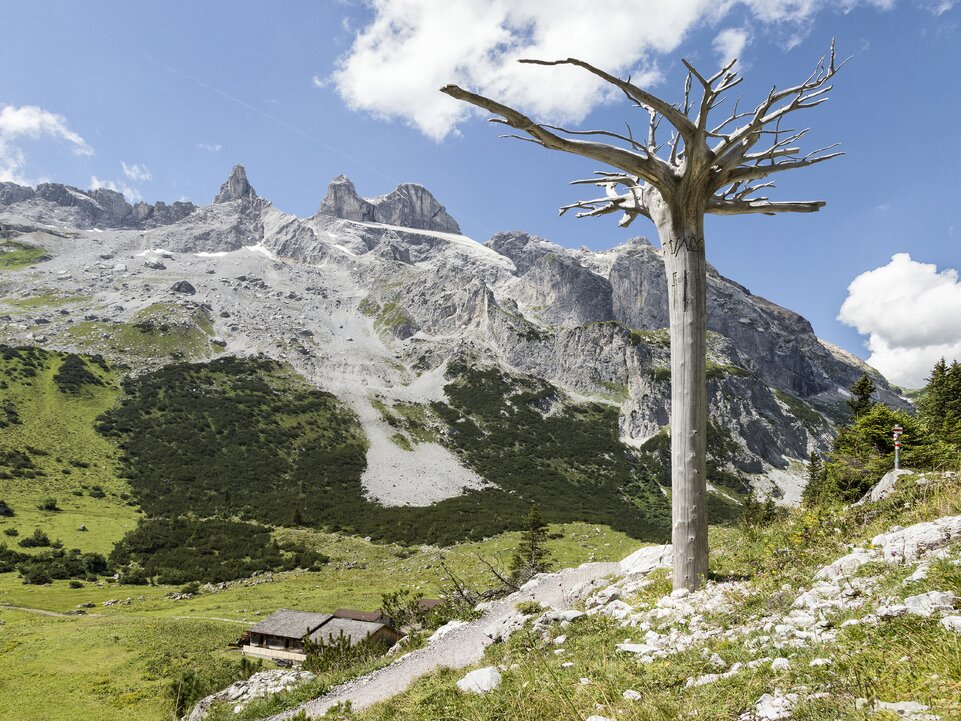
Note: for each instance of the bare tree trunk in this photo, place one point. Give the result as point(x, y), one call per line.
point(706, 167)
point(682, 236)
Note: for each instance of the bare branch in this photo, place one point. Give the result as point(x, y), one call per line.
point(674, 116)
point(505, 581)
point(631, 202)
point(733, 148)
point(763, 206)
point(607, 133)
point(756, 172)
point(648, 167)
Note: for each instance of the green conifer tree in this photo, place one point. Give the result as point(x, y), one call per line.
point(531, 556)
point(814, 490)
point(932, 407)
point(861, 392)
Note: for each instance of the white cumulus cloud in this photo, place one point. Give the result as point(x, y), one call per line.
point(730, 43)
point(911, 314)
point(411, 48)
point(31, 122)
point(130, 193)
point(137, 173)
point(209, 147)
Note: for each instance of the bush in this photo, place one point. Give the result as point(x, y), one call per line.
point(193, 588)
point(38, 539)
point(74, 375)
point(181, 550)
point(5, 510)
point(75, 584)
point(761, 513)
point(49, 504)
point(340, 653)
point(57, 564)
point(403, 607)
point(11, 532)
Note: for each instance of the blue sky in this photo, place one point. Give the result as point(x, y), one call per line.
point(302, 91)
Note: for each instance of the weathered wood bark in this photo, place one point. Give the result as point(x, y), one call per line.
point(705, 168)
point(682, 243)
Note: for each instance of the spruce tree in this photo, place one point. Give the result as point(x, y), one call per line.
point(931, 407)
point(531, 556)
point(814, 490)
point(861, 392)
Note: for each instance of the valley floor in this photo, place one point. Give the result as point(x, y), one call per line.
point(117, 660)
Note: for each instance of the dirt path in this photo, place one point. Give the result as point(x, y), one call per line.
point(43, 612)
point(462, 646)
point(62, 614)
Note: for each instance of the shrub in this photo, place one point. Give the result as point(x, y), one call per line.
point(57, 564)
point(37, 539)
point(74, 375)
point(529, 608)
point(5, 510)
point(181, 550)
point(49, 504)
point(340, 653)
point(403, 607)
point(11, 532)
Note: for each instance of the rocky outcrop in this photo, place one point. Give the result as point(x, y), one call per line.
point(65, 205)
point(236, 187)
point(560, 291)
point(409, 205)
point(241, 693)
point(522, 248)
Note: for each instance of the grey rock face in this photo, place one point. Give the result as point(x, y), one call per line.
point(236, 187)
point(342, 201)
point(58, 204)
point(409, 205)
point(11, 193)
point(561, 291)
point(522, 248)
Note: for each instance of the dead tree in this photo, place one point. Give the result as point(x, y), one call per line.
point(705, 166)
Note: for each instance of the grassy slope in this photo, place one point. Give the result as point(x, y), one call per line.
point(17, 255)
point(115, 667)
point(908, 658)
point(162, 330)
point(62, 425)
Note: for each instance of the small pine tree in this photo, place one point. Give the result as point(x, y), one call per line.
point(531, 556)
point(932, 406)
point(814, 490)
point(861, 392)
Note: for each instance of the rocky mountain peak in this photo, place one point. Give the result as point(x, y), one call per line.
point(409, 205)
point(236, 187)
point(523, 248)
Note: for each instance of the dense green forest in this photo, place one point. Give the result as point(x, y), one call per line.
point(246, 439)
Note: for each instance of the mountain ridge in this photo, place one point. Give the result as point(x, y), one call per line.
point(388, 304)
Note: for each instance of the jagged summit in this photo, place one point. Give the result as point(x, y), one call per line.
point(66, 205)
point(236, 187)
point(409, 205)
